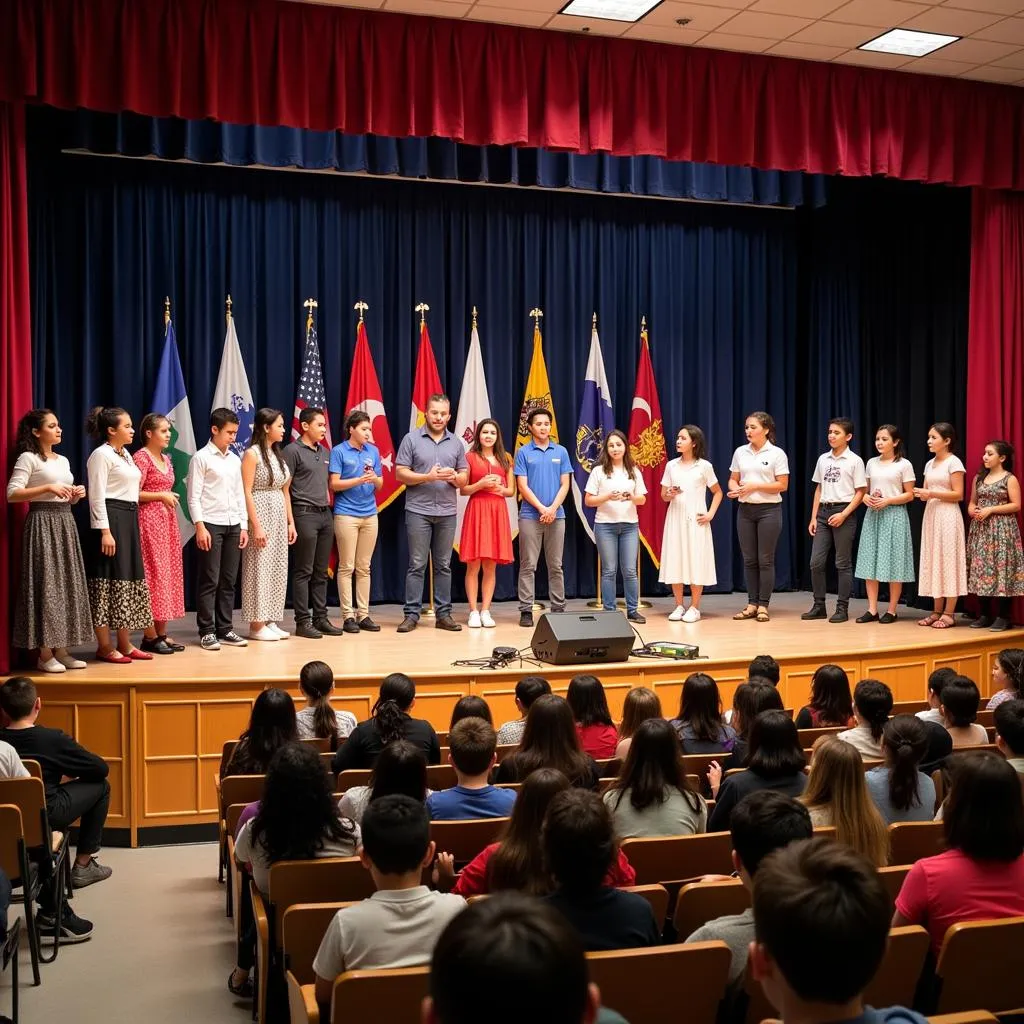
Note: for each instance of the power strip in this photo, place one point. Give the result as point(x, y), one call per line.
point(667, 649)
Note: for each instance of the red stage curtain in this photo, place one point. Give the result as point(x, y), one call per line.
point(322, 67)
point(995, 347)
point(15, 340)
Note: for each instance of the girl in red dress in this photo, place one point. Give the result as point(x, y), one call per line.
point(486, 533)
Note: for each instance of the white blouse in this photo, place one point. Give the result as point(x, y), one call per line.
point(32, 470)
point(110, 476)
point(761, 467)
point(886, 479)
point(600, 484)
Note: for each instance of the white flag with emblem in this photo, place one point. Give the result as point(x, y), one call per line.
point(232, 390)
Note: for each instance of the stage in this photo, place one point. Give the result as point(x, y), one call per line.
point(161, 724)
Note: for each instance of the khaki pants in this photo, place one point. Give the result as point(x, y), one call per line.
point(356, 537)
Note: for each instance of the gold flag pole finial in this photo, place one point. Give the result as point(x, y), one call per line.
point(310, 304)
point(422, 308)
point(360, 307)
point(474, 318)
point(593, 321)
point(536, 313)
point(167, 311)
point(228, 304)
point(643, 325)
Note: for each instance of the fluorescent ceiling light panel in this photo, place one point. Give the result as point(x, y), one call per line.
point(610, 10)
point(908, 42)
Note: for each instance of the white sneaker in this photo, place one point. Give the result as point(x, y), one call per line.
point(474, 620)
point(282, 634)
point(692, 614)
point(265, 633)
point(51, 665)
point(486, 620)
point(70, 661)
point(677, 614)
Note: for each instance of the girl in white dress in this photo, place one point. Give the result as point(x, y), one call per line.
point(687, 547)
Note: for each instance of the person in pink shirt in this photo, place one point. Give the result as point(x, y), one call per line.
point(980, 876)
point(597, 732)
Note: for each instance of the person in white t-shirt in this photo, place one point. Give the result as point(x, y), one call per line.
point(886, 551)
point(10, 763)
point(841, 483)
point(758, 476)
point(615, 488)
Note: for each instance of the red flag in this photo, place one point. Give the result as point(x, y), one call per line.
point(364, 393)
point(647, 447)
point(427, 381)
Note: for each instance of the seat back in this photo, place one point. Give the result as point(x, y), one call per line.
point(34, 768)
point(608, 767)
point(392, 996)
point(892, 878)
point(808, 736)
point(697, 764)
point(939, 782)
point(231, 816)
point(656, 896)
point(896, 979)
point(321, 744)
point(503, 750)
point(10, 836)
point(354, 777)
point(910, 841)
point(970, 1017)
point(441, 776)
point(670, 858)
point(465, 839)
point(241, 789)
point(302, 929)
point(29, 797)
point(638, 983)
point(700, 902)
point(982, 960)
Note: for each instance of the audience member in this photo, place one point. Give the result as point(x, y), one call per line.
point(1007, 675)
point(318, 720)
point(699, 723)
point(528, 689)
point(400, 768)
point(589, 706)
point(872, 704)
point(640, 704)
point(765, 666)
point(900, 791)
point(776, 761)
point(940, 746)
point(821, 930)
point(472, 743)
point(400, 923)
point(10, 763)
point(837, 796)
point(272, 724)
point(390, 720)
point(651, 796)
point(831, 703)
point(579, 847)
point(980, 875)
point(470, 706)
point(936, 681)
point(1009, 719)
point(749, 700)
point(550, 740)
point(960, 701)
point(521, 949)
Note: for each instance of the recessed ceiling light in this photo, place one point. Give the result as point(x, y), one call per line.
point(610, 10)
point(908, 42)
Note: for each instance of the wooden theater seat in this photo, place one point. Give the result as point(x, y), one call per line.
point(808, 736)
point(698, 764)
point(352, 777)
point(910, 841)
point(441, 776)
point(892, 878)
point(34, 768)
point(233, 789)
point(700, 902)
point(466, 838)
point(303, 927)
point(897, 977)
point(678, 858)
point(656, 896)
point(982, 962)
point(394, 996)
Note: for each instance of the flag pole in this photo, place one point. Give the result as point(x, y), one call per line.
point(227, 310)
point(167, 312)
point(537, 313)
point(641, 603)
point(422, 308)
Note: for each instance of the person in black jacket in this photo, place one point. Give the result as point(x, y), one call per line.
point(390, 720)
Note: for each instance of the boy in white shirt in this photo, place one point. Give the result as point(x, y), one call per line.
point(841, 485)
point(936, 681)
point(216, 503)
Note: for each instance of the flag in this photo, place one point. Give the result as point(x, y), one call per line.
point(538, 392)
point(596, 422)
point(364, 393)
point(647, 447)
point(474, 406)
point(427, 382)
point(311, 385)
point(171, 400)
point(233, 391)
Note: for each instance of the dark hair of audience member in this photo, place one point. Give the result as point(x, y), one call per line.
point(470, 706)
point(765, 665)
point(904, 745)
point(298, 811)
point(400, 768)
point(774, 746)
point(578, 840)
point(873, 700)
point(984, 814)
point(639, 705)
point(653, 768)
point(1011, 661)
point(960, 700)
point(700, 707)
point(529, 688)
point(766, 821)
point(316, 680)
point(396, 833)
point(18, 697)
point(938, 678)
point(1009, 722)
point(472, 743)
point(830, 696)
point(749, 700)
point(587, 700)
point(397, 692)
point(518, 862)
point(271, 726)
point(550, 740)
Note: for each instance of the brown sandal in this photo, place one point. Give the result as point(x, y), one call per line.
point(929, 620)
point(944, 622)
point(762, 615)
point(746, 614)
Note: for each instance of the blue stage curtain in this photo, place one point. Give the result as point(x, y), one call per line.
point(244, 145)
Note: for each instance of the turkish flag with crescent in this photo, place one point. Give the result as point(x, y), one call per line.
point(647, 447)
point(364, 393)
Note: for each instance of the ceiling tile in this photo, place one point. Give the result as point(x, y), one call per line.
point(801, 8)
point(872, 59)
point(729, 5)
point(365, 4)
point(1005, 7)
point(877, 13)
point(1011, 30)
point(549, 7)
point(505, 16)
point(764, 26)
point(806, 51)
point(727, 41)
point(993, 74)
point(663, 34)
point(829, 33)
point(937, 66)
point(435, 8)
point(1015, 60)
point(950, 21)
point(702, 18)
point(597, 26)
point(977, 51)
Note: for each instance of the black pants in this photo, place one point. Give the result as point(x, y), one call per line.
point(218, 571)
point(758, 527)
point(315, 528)
point(824, 537)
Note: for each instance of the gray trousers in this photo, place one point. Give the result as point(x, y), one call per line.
point(758, 527)
point(534, 535)
point(824, 537)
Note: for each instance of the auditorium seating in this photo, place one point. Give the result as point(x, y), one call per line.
point(910, 841)
point(466, 838)
point(982, 962)
point(700, 902)
point(656, 896)
point(892, 878)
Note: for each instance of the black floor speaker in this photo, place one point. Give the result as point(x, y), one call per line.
point(568, 638)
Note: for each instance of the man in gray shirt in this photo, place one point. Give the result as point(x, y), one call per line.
point(431, 462)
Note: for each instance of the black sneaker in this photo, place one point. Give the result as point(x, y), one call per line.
point(887, 618)
point(526, 620)
point(368, 624)
point(308, 631)
point(999, 625)
point(72, 927)
point(840, 615)
point(350, 625)
point(636, 617)
point(981, 622)
point(209, 642)
point(817, 611)
point(868, 617)
point(232, 639)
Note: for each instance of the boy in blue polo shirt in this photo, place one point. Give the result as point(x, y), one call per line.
point(543, 472)
point(473, 742)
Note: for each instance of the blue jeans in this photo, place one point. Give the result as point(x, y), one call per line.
point(429, 535)
point(618, 545)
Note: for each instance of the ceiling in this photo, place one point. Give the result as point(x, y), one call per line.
point(992, 49)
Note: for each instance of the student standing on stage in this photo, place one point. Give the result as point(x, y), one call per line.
point(994, 557)
point(310, 496)
point(266, 484)
point(216, 504)
point(542, 470)
point(886, 552)
point(431, 462)
point(486, 535)
point(687, 548)
point(356, 476)
point(758, 475)
point(51, 556)
point(615, 488)
point(158, 531)
point(118, 593)
point(943, 574)
point(841, 482)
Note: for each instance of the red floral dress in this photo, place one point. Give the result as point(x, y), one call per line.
point(161, 541)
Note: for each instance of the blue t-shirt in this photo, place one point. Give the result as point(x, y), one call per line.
point(458, 803)
point(543, 469)
point(347, 461)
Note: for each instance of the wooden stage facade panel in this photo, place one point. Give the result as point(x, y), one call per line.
point(161, 725)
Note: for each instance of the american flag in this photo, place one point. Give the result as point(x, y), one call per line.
point(311, 385)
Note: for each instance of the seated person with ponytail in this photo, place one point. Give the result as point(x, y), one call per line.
point(318, 720)
point(872, 703)
point(390, 720)
point(900, 791)
point(400, 768)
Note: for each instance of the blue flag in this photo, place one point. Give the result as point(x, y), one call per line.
point(596, 421)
